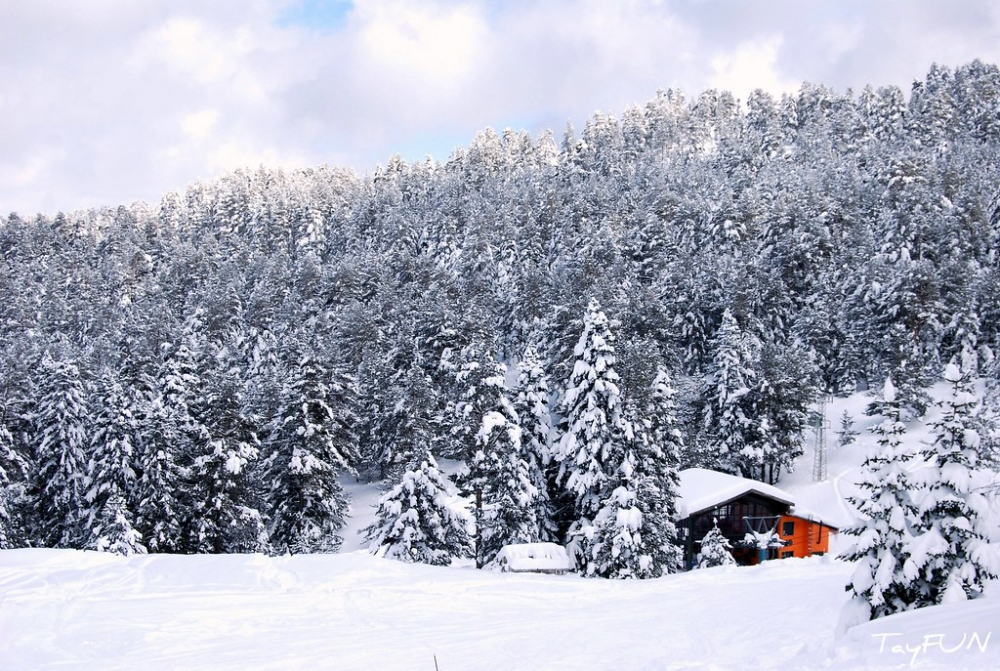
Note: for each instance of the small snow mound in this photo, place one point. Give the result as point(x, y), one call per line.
point(532, 557)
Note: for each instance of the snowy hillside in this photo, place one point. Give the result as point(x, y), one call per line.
point(84, 610)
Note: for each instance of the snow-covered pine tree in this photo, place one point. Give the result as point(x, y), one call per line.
point(715, 549)
point(396, 406)
point(531, 405)
point(312, 441)
point(659, 445)
point(882, 536)
point(614, 542)
point(847, 434)
point(634, 535)
point(173, 438)
point(662, 425)
point(179, 381)
point(508, 495)
point(112, 530)
point(950, 558)
point(221, 520)
point(201, 394)
point(593, 441)
point(989, 417)
point(111, 476)
point(421, 519)
point(786, 389)
point(13, 474)
point(731, 423)
point(60, 428)
point(161, 497)
point(502, 478)
point(478, 384)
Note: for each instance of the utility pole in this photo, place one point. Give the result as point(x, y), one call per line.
point(820, 425)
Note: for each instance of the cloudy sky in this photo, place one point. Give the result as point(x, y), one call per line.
point(105, 102)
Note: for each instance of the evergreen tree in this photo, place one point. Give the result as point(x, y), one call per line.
point(478, 385)
point(593, 441)
point(161, 497)
point(312, 441)
point(614, 541)
point(13, 474)
point(879, 585)
point(950, 558)
point(786, 390)
point(398, 403)
point(847, 435)
point(112, 530)
point(420, 520)
point(731, 419)
point(531, 405)
point(111, 479)
point(220, 518)
point(60, 429)
point(659, 447)
point(715, 550)
point(508, 495)
point(633, 534)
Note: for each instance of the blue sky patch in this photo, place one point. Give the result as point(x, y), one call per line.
point(317, 14)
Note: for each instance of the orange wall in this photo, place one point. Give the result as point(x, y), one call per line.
point(807, 539)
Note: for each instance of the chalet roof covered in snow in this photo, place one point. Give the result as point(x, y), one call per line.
point(701, 489)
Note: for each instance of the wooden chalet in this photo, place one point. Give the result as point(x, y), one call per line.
point(759, 520)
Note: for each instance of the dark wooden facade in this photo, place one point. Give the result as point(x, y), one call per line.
point(750, 512)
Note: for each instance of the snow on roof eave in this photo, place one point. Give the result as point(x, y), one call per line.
point(810, 516)
point(765, 495)
point(703, 489)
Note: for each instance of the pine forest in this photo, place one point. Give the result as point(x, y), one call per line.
point(541, 329)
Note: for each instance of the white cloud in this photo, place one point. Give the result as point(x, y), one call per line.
point(28, 173)
point(200, 124)
point(439, 45)
point(113, 100)
point(751, 66)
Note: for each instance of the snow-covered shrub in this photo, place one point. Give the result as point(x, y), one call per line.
point(417, 520)
point(715, 550)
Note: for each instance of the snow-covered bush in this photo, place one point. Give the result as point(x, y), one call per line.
point(418, 520)
point(715, 550)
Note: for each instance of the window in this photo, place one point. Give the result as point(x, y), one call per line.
point(785, 554)
point(788, 529)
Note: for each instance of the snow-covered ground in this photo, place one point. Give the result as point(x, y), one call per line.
point(85, 610)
